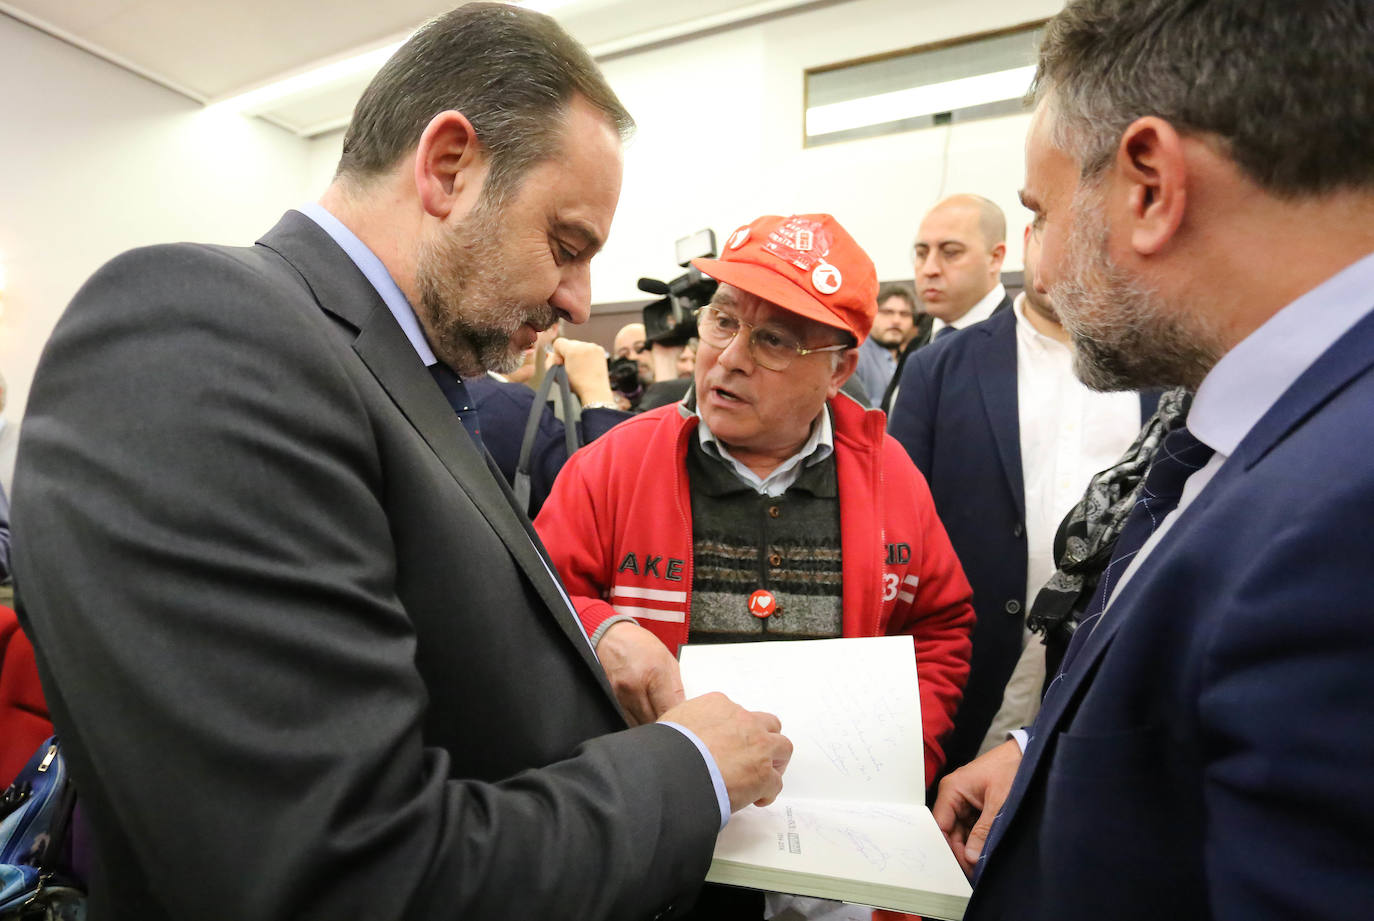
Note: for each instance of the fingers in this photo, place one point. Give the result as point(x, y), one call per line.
point(586, 363)
point(749, 748)
point(970, 798)
point(782, 755)
point(664, 692)
point(771, 723)
point(643, 673)
point(973, 847)
point(637, 708)
point(950, 804)
point(955, 816)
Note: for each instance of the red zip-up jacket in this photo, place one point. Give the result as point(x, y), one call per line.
point(618, 525)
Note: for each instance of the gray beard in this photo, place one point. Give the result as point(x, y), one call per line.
point(470, 326)
point(1125, 335)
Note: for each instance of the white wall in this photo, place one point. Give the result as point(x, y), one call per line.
point(322, 158)
point(720, 138)
point(96, 160)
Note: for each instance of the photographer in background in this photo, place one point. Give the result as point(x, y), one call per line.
point(631, 350)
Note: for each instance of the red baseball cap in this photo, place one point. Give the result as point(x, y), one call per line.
point(806, 263)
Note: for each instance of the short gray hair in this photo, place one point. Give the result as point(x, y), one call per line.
point(1285, 86)
point(512, 72)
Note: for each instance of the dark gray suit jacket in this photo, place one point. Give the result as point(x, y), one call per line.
point(306, 658)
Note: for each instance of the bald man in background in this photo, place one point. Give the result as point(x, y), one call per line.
point(959, 253)
point(632, 342)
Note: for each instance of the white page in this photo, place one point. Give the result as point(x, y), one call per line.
point(877, 844)
point(850, 706)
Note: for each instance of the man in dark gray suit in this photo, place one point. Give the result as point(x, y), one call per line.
point(306, 658)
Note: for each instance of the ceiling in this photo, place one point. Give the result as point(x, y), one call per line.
point(211, 50)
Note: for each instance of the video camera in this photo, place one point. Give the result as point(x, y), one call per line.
point(672, 320)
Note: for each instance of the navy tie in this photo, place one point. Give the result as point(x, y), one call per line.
point(1179, 455)
point(457, 395)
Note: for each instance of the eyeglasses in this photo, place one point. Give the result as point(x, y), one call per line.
point(770, 347)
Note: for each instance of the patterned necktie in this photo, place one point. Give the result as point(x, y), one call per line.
point(1180, 454)
point(457, 395)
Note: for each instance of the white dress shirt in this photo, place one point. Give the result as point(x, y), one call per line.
point(1068, 434)
point(817, 447)
point(976, 314)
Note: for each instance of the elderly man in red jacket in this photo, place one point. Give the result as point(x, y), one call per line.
point(766, 505)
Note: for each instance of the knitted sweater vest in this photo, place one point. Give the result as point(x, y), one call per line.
point(743, 541)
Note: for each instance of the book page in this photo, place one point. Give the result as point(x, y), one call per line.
point(850, 706)
point(877, 844)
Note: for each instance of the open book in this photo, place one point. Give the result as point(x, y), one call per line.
point(851, 823)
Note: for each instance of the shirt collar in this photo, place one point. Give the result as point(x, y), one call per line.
point(1026, 331)
point(977, 313)
point(1249, 379)
point(376, 273)
point(819, 446)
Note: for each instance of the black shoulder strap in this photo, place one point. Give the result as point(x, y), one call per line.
point(554, 375)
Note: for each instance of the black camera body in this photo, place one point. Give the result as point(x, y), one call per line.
point(624, 375)
point(671, 320)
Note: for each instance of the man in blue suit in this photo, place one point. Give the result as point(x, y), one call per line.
point(1206, 751)
point(1008, 438)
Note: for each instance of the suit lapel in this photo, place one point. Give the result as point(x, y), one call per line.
point(1351, 356)
point(342, 290)
point(1060, 701)
point(995, 367)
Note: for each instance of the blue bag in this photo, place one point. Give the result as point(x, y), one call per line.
point(35, 819)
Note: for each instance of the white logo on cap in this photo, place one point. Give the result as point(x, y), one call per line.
point(826, 278)
point(739, 237)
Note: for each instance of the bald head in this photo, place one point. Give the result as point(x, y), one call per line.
point(630, 343)
point(990, 221)
point(959, 252)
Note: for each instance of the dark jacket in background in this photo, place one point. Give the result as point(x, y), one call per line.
point(957, 417)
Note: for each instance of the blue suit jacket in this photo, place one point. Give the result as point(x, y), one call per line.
point(1209, 754)
point(956, 415)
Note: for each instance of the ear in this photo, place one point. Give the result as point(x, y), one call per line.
point(1150, 162)
point(849, 361)
point(450, 164)
point(996, 254)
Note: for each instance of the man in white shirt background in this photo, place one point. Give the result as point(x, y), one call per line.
point(1008, 438)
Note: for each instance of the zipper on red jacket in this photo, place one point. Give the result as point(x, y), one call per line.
point(679, 477)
